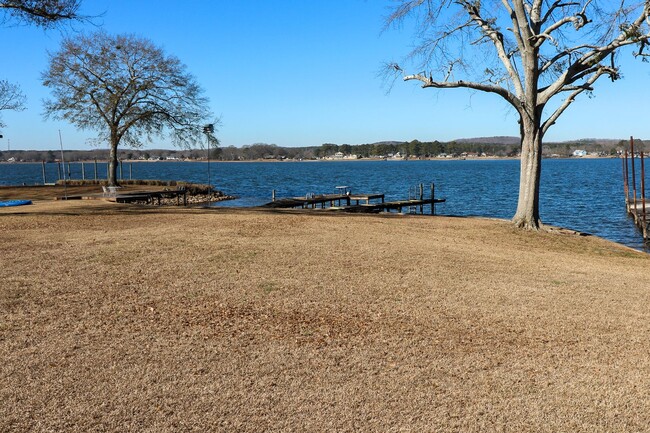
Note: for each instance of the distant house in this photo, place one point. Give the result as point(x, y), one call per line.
point(338, 155)
point(579, 152)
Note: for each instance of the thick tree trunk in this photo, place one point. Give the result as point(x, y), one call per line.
point(112, 162)
point(527, 215)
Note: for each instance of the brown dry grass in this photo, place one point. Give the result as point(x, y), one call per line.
point(123, 318)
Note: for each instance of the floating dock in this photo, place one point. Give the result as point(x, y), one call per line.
point(637, 207)
point(346, 201)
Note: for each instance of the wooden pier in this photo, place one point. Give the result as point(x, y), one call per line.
point(357, 203)
point(637, 207)
point(152, 196)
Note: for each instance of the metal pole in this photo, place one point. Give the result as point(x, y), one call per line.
point(44, 178)
point(83, 171)
point(65, 185)
point(95, 169)
point(130, 170)
point(273, 195)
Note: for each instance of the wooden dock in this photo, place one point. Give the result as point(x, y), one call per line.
point(152, 196)
point(637, 207)
point(357, 203)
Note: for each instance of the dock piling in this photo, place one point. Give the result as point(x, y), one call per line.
point(636, 208)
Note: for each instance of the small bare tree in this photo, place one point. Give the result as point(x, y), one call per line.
point(125, 88)
point(535, 54)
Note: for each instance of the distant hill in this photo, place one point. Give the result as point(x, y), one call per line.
point(515, 140)
point(489, 140)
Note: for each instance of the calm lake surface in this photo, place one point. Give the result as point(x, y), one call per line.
point(581, 194)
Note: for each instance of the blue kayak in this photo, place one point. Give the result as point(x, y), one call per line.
point(7, 203)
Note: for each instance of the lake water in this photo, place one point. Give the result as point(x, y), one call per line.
point(581, 194)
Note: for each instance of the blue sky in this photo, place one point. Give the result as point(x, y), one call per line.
point(302, 73)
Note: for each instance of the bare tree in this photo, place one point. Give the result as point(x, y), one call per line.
point(11, 98)
point(127, 89)
point(42, 13)
point(538, 55)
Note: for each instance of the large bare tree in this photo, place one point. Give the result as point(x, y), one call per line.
point(125, 88)
point(538, 55)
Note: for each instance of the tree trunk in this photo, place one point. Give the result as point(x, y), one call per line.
point(112, 161)
point(527, 215)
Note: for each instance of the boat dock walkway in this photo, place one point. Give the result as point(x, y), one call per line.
point(356, 203)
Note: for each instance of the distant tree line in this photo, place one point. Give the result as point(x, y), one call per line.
point(264, 151)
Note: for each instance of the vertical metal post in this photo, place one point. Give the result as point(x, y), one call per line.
point(65, 183)
point(95, 169)
point(273, 195)
point(421, 199)
point(130, 170)
point(58, 169)
point(633, 172)
point(83, 171)
point(44, 178)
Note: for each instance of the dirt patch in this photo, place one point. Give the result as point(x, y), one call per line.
point(130, 318)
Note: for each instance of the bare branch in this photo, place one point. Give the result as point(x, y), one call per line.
point(429, 82)
point(571, 98)
point(41, 13)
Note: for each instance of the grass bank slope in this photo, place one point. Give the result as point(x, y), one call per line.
point(118, 318)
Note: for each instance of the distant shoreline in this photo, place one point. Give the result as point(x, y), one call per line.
point(482, 158)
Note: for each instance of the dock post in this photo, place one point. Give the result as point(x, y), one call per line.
point(433, 205)
point(626, 181)
point(44, 177)
point(130, 170)
point(633, 173)
point(421, 199)
point(83, 171)
point(645, 221)
point(273, 195)
point(58, 169)
point(95, 169)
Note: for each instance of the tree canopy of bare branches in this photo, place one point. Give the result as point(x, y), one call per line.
point(125, 88)
point(42, 13)
point(538, 55)
point(11, 98)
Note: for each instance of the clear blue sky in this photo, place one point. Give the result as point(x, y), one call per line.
point(302, 73)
